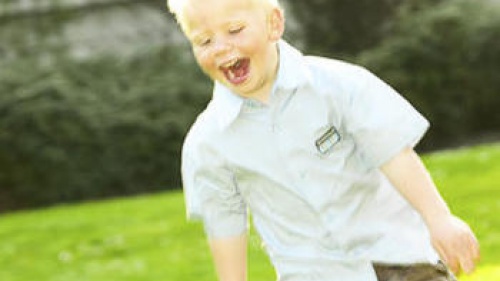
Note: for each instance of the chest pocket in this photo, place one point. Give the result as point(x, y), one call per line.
point(328, 139)
point(312, 126)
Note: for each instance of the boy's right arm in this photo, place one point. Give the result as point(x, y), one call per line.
point(230, 257)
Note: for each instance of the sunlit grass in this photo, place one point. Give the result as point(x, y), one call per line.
point(147, 237)
point(487, 272)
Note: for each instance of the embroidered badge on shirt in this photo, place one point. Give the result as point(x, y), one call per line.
point(327, 141)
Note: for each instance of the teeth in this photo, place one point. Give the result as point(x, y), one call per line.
point(230, 63)
point(231, 75)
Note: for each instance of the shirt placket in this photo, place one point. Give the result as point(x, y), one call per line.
point(327, 241)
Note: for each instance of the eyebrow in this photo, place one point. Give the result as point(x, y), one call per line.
point(228, 24)
point(198, 34)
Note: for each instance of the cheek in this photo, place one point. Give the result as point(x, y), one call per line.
point(256, 47)
point(204, 61)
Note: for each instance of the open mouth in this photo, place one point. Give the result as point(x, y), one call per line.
point(236, 71)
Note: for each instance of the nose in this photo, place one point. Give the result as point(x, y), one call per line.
point(221, 46)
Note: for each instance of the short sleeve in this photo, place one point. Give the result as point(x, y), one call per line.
point(211, 195)
point(381, 121)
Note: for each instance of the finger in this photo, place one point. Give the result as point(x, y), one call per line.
point(454, 266)
point(452, 262)
point(441, 252)
point(476, 250)
point(473, 244)
point(447, 259)
point(469, 254)
point(467, 264)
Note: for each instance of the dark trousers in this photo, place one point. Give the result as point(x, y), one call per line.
point(414, 272)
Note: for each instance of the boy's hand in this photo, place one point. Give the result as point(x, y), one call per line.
point(451, 237)
point(455, 242)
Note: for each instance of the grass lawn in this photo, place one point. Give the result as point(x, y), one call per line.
point(147, 238)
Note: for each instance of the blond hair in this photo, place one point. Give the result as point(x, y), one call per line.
point(176, 7)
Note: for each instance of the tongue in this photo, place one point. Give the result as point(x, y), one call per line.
point(239, 69)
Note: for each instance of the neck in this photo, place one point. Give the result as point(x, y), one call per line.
point(264, 93)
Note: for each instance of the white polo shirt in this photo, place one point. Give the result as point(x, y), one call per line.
point(307, 167)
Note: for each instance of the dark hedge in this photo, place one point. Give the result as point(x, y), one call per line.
point(86, 130)
point(445, 59)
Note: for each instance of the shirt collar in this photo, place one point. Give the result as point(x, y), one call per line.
point(292, 73)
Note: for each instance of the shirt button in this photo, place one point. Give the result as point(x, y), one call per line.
point(275, 128)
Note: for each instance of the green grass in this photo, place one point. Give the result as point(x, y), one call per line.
point(147, 237)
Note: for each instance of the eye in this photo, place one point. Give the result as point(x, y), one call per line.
point(236, 29)
point(203, 41)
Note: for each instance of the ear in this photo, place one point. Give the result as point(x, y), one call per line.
point(276, 24)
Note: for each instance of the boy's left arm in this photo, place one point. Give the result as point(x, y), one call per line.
point(451, 237)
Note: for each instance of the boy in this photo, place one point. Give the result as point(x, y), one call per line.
point(319, 150)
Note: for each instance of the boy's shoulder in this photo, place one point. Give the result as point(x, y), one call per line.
point(334, 70)
point(336, 80)
point(204, 128)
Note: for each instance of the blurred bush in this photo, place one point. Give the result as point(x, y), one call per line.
point(445, 59)
point(104, 127)
point(342, 28)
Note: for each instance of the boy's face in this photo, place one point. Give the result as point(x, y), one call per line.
point(234, 42)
